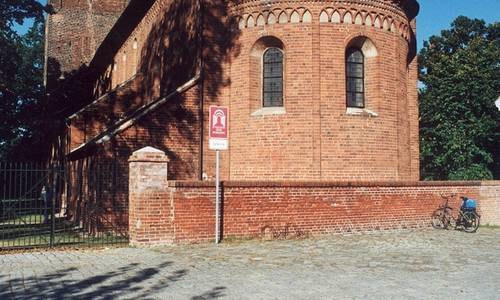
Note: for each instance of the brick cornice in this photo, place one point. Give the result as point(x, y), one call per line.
point(408, 8)
point(371, 13)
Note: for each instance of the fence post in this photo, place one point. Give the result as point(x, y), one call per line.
point(150, 221)
point(53, 204)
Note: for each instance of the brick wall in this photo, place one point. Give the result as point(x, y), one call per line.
point(316, 139)
point(184, 211)
point(75, 30)
point(275, 209)
point(489, 193)
point(143, 70)
point(163, 211)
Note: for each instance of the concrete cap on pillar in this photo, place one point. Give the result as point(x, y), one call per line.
point(148, 154)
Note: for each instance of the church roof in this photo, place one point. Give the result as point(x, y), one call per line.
point(131, 119)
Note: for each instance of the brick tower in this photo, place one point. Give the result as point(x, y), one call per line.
point(74, 31)
point(300, 118)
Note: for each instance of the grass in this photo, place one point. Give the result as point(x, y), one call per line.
point(30, 230)
point(25, 219)
point(62, 239)
point(27, 228)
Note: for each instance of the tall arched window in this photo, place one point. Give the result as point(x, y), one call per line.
point(355, 77)
point(272, 83)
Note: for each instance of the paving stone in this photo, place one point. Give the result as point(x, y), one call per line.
point(392, 265)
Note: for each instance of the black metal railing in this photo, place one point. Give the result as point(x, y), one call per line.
point(45, 205)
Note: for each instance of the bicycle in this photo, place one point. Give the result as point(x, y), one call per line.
point(467, 218)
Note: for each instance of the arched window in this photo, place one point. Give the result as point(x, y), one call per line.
point(355, 77)
point(272, 73)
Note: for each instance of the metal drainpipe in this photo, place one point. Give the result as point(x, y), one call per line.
point(201, 88)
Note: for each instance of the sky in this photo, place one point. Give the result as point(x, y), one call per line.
point(434, 16)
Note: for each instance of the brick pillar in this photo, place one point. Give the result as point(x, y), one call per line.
point(150, 221)
point(489, 202)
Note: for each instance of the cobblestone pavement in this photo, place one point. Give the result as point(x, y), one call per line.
point(404, 265)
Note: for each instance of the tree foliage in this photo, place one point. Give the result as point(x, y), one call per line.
point(17, 11)
point(21, 80)
point(460, 124)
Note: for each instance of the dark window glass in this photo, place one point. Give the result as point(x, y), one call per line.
point(355, 71)
point(272, 84)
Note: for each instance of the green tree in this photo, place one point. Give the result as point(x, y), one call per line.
point(21, 80)
point(459, 122)
point(17, 11)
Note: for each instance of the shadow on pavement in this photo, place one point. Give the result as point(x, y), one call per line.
point(128, 282)
point(215, 293)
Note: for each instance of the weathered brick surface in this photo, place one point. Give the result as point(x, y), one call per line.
point(316, 139)
point(149, 204)
point(489, 193)
point(143, 71)
point(164, 211)
point(300, 208)
point(75, 30)
point(168, 129)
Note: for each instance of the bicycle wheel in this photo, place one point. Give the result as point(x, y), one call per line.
point(470, 221)
point(441, 218)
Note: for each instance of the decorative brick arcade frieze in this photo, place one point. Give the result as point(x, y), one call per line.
point(375, 14)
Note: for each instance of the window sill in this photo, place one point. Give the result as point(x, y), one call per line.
point(269, 111)
point(354, 111)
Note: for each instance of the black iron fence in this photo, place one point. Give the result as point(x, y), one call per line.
point(47, 205)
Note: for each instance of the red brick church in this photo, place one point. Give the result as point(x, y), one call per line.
point(317, 90)
point(323, 117)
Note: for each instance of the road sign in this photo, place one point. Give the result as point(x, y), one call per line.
point(219, 128)
point(218, 140)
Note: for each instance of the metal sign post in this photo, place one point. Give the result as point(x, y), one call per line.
point(217, 196)
point(218, 140)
